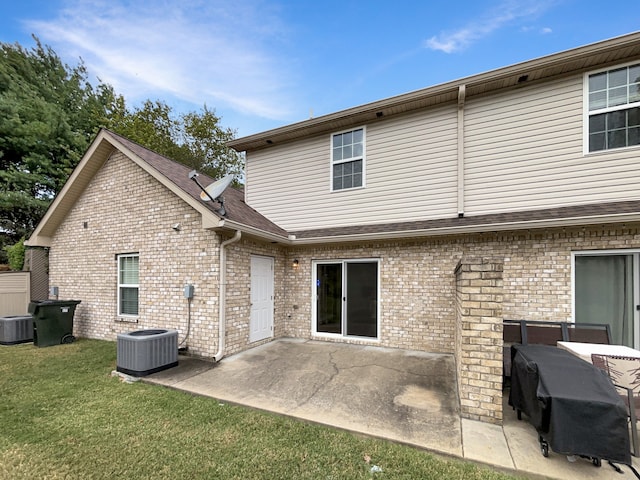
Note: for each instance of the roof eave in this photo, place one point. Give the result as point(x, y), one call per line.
point(493, 80)
point(209, 218)
point(97, 153)
point(230, 225)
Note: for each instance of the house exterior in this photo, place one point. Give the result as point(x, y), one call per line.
point(418, 222)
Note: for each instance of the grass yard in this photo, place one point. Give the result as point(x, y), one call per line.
point(63, 416)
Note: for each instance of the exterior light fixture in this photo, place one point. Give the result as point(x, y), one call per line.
point(296, 263)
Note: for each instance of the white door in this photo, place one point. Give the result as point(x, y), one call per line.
point(261, 321)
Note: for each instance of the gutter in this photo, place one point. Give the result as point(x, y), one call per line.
point(567, 222)
point(225, 223)
point(222, 295)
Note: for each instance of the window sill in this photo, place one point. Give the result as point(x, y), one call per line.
point(127, 319)
point(612, 151)
point(348, 189)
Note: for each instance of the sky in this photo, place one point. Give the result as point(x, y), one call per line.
point(262, 64)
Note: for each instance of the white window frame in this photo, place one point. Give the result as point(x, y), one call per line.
point(314, 302)
point(120, 257)
point(587, 113)
point(350, 159)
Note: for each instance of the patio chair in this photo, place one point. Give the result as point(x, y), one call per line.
point(543, 333)
point(624, 372)
point(511, 333)
point(587, 332)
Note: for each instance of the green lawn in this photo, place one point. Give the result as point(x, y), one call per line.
point(62, 416)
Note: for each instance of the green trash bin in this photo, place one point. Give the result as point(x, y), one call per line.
point(52, 321)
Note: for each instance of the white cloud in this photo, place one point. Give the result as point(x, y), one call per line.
point(213, 52)
point(506, 13)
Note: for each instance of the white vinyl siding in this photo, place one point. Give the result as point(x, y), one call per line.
point(410, 174)
point(524, 151)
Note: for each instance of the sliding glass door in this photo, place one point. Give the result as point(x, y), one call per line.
point(346, 298)
point(606, 292)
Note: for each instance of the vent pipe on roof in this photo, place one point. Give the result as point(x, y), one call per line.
point(222, 295)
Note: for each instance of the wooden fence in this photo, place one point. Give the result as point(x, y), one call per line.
point(15, 293)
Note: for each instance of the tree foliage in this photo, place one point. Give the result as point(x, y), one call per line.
point(49, 114)
point(15, 254)
point(195, 139)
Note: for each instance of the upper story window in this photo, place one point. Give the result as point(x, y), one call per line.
point(347, 159)
point(128, 267)
point(614, 108)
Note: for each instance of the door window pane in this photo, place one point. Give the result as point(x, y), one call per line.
point(604, 293)
point(329, 298)
point(362, 299)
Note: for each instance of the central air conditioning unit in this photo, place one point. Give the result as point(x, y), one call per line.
point(16, 329)
point(144, 352)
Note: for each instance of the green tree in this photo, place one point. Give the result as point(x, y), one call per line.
point(206, 142)
point(15, 253)
point(195, 139)
point(49, 114)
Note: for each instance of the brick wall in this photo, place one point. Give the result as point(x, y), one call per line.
point(418, 302)
point(128, 211)
point(125, 210)
point(416, 291)
point(238, 303)
point(479, 299)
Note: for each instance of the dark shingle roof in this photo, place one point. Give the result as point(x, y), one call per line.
point(241, 213)
point(237, 210)
point(565, 214)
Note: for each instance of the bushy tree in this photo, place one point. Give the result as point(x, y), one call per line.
point(49, 114)
point(15, 254)
point(195, 139)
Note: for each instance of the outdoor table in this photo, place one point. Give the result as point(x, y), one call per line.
point(584, 350)
point(572, 404)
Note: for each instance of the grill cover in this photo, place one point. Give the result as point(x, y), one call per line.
point(572, 404)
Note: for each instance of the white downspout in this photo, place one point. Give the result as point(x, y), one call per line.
point(223, 294)
point(462, 92)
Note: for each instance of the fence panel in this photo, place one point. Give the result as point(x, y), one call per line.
point(15, 293)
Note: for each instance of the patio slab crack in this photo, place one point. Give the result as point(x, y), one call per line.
point(322, 385)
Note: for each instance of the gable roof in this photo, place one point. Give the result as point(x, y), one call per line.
point(569, 62)
point(173, 175)
point(239, 214)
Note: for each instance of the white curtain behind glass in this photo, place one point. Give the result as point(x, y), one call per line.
point(604, 294)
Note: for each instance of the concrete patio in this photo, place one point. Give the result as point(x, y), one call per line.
point(398, 395)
